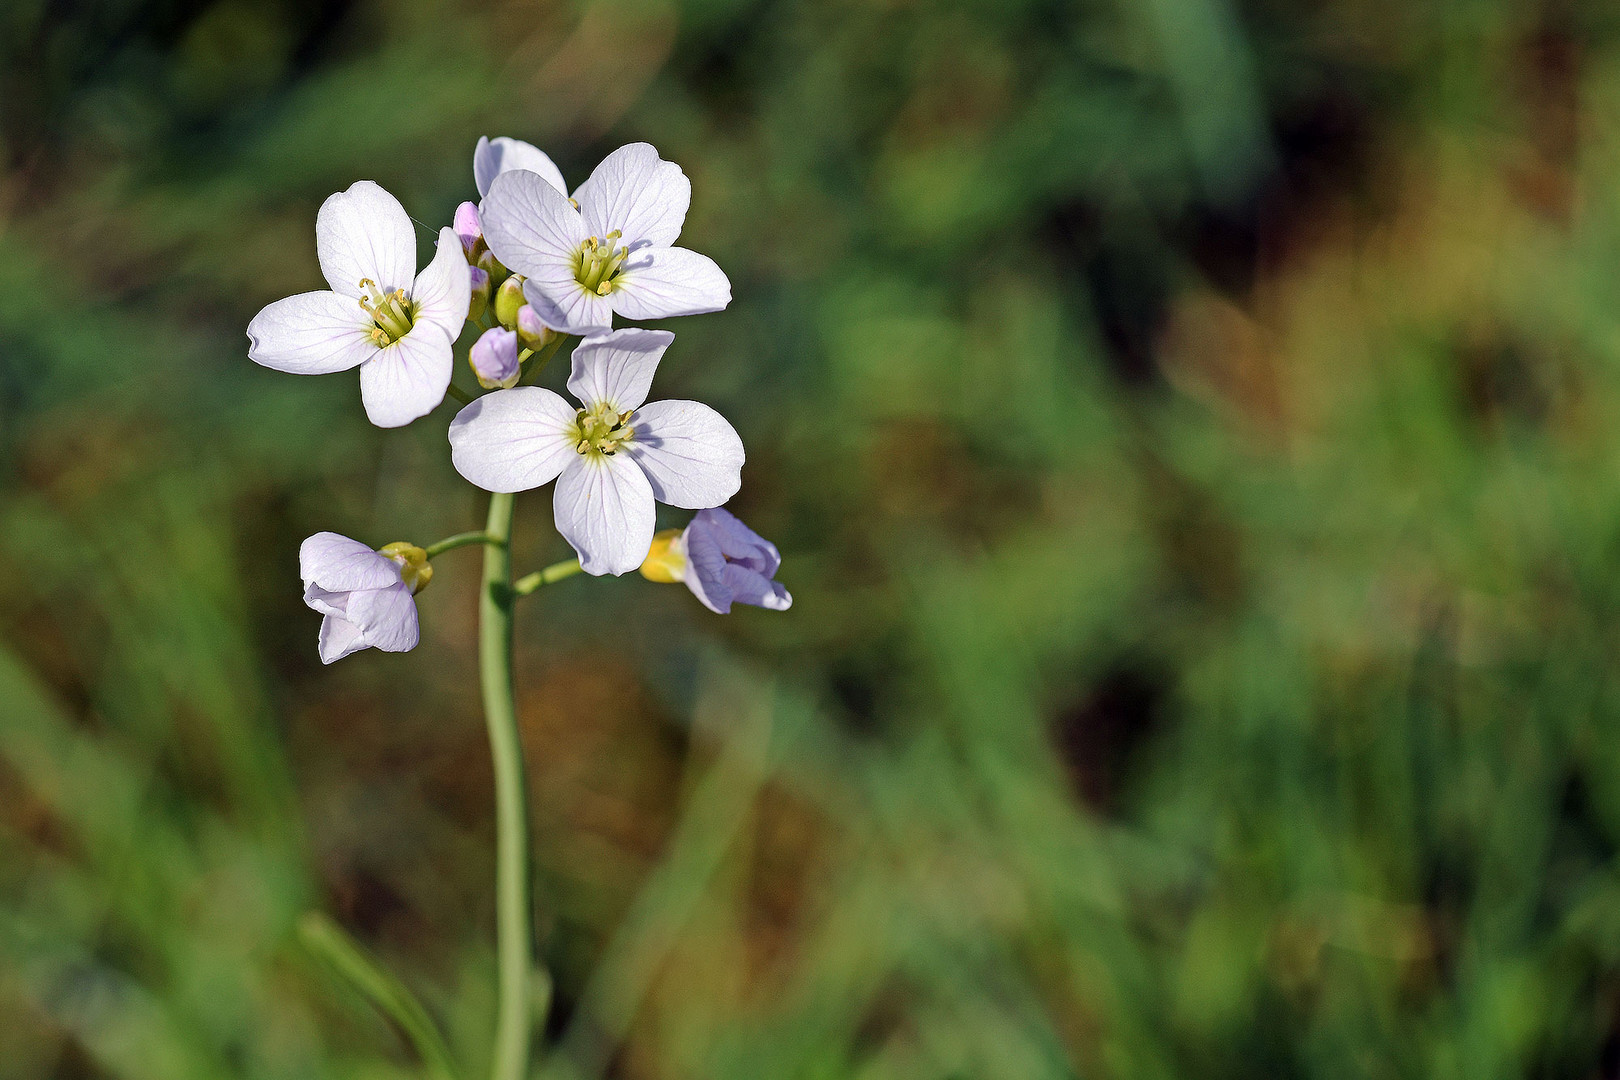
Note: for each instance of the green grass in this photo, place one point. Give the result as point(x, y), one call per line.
point(1193, 435)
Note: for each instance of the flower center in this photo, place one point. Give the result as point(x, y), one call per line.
point(391, 313)
point(599, 430)
point(597, 262)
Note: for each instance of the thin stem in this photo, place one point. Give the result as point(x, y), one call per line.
point(450, 543)
point(327, 939)
point(555, 572)
point(513, 915)
point(459, 394)
point(541, 355)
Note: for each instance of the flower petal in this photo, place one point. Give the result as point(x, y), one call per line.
point(364, 234)
point(442, 291)
point(514, 440)
point(386, 617)
point(530, 226)
point(563, 304)
point(495, 156)
point(408, 378)
point(693, 458)
point(335, 563)
point(737, 541)
point(636, 192)
point(339, 637)
point(618, 367)
point(604, 508)
point(313, 333)
point(663, 282)
point(749, 587)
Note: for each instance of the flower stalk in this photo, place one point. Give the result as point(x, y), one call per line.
point(513, 912)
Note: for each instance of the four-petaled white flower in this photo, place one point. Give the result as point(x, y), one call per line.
point(612, 458)
point(396, 325)
point(607, 250)
point(363, 594)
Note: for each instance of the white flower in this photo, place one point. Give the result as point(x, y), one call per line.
point(605, 251)
point(363, 594)
point(612, 458)
point(396, 325)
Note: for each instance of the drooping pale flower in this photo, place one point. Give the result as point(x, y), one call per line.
point(612, 458)
point(395, 325)
point(607, 250)
point(721, 560)
point(365, 595)
point(494, 358)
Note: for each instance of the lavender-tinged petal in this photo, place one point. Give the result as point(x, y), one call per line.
point(503, 154)
point(408, 379)
point(604, 508)
point(339, 637)
point(738, 541)
point(514, 440)
point(692, 456)
point(637, 193)
point(565, 305)
point(661, 283)
point(364, 234)
point(313, 333)
point(386, 618)
point(530, 226)
point(749, 587)
point(442, 291)
point(336, 563)
point(706, 569)
point(618, 368)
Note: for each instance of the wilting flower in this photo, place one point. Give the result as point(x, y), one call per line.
point(612, 458)
point(396, 325)
point(365, 595)
point(721, 560)
point(605, 251)
point(494, 358)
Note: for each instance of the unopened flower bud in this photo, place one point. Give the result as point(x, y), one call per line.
point(494, 359)
point(414, 569)
point(666, 559)
point(532, 333)
point(478, 300)
point(508, 299)
point(471, 231)
point(489, 264)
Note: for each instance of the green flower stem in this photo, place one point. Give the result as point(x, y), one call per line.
point(459, 394)
point(327, 939)
point(513, 913)
point(450, 543)
point(538, 361)
point(555, 572)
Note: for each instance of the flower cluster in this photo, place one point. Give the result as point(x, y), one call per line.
point(529, 267)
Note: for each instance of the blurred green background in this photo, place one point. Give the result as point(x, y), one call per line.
point(1192, 428)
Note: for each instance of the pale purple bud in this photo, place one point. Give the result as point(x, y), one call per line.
point(362, 594)
point(729, 563)
point(478, 299)
point(469, 228)
point(494, 359)
point(531, 331)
